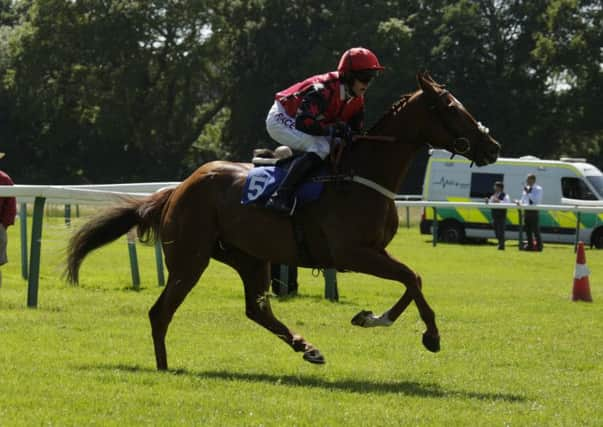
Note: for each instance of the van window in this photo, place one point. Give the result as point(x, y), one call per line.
point(575, 188)
point(482, 184)
point(597, 182)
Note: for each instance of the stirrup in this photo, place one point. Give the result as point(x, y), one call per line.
point(276, 204)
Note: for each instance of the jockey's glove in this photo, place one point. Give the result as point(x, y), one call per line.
point(341, 130)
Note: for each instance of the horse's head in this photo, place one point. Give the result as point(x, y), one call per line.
point(452, 127)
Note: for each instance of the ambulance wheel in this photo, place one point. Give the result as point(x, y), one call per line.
point(451, 232)
point(597, 238)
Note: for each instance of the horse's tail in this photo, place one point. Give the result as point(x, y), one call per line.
point(113, 223)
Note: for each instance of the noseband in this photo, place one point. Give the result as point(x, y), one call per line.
point(461, 145)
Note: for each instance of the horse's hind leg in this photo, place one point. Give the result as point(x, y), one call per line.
point(186, 260)
point(177, 288)
point(257, 308)
point(255, 274)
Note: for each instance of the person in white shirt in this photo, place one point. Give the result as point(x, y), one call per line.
point(499, 216)
point(532, 195)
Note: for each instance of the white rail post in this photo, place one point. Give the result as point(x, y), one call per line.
point(133, 258)
point(23, 226)
point(36, 244)
point(331, 292)
point(434, 227)
point(159, 263)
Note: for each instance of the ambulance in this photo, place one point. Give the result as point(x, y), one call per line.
point(565, 181)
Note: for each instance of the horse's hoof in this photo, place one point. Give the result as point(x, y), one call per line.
point(314, 356)
point(431, 343)
point(361, 318)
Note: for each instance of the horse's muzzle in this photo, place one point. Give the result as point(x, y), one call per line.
point(488, 153)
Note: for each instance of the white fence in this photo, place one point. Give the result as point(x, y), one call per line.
point(82, 194)
point(110, 193)
point(100, 194)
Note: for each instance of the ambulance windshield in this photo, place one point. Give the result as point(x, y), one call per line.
point(597, 182)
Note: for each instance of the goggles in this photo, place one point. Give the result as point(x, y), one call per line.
point(365, 76)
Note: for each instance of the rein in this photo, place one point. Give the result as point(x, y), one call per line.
point(374, 138)
point(337, 151)
point(359, 180)
point(338, 148)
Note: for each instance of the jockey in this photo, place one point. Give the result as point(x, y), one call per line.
point(307, 115)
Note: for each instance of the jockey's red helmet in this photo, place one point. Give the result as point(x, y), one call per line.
point(358, 59)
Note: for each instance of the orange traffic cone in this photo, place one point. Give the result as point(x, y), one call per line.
point(581, 290)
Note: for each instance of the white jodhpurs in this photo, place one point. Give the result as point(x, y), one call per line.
point(281, 128)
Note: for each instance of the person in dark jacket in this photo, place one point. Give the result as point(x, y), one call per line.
point(499, 216)
point(8, 211)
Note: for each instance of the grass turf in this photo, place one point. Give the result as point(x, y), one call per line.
point(515, 349)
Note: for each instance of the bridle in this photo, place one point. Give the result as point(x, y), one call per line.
point(461, 144)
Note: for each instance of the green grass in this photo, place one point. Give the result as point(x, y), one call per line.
point(515, 349)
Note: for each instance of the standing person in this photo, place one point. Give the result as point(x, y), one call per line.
point(8, 210)
point(499, 216)
point(307, 115)
point(531, 196)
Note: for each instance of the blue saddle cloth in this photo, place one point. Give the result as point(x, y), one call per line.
point(262, 181)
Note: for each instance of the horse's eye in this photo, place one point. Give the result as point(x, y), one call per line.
point(452, 107)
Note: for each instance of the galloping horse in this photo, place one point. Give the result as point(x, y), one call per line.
point(348, 228)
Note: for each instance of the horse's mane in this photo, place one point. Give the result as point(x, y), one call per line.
point(392, 111)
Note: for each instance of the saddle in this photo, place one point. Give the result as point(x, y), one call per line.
point(270, 168)
point(267, 157)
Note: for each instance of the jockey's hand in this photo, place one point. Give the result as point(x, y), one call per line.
point(342, 130)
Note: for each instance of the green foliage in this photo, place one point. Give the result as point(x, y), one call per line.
point(99, 83)
point(569, 48)
point(114, 90)
point(515, 349)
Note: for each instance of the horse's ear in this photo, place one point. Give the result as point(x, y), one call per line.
point(428, 76)
point(427, 85)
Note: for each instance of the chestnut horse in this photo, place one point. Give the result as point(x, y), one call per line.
point(348, 228)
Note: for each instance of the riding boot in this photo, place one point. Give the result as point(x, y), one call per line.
point(284, 200)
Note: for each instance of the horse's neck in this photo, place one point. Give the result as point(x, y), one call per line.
point(387, 163)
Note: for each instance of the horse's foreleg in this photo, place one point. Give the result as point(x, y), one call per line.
point(401, 305)
point(367, 319)
point(381, 264)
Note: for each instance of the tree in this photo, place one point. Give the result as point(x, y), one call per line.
point(123, 87)
point(569, 50)
point(505, 61)
point(115, 90)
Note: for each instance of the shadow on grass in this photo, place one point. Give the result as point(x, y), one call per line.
point(308, 297)
point(410, 388)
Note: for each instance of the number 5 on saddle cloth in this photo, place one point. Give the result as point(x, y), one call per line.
point(262, 181)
